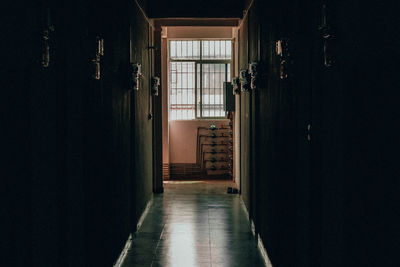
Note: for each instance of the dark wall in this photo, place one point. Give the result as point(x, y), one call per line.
point(269, 139)
point(79, 168)
point(330, 201)
point(142, 38)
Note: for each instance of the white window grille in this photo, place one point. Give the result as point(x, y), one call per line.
point(197, 70)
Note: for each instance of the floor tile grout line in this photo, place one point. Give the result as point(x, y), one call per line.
point(158, 242)
point(209, 227)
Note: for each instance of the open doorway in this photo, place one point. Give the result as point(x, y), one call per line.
point(198, 111)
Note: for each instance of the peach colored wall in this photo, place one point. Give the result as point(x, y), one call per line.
point(183, 139)
point(199, 32)
point(164, 88)
point(236, 132)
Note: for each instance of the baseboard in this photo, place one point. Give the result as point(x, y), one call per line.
point(128, 243)
point(144, 213)
point(253, 228)
point(244, 207)
point(263, 251)
point(124, 252)
point(260, 243)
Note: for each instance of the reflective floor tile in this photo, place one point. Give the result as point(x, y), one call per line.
point(195, 224)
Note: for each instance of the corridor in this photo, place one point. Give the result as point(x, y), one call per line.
point(113, 111)
point(195, 223)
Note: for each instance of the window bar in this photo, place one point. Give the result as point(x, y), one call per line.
point(188, 111)
point(225, 49)
point(198, 90)
point(169, 91)
point(227, 43)
point(184, 49)
point(187, 88)
point(179, 92)
point(217, 89)
point(184, 91)
point(180, 89)
point(184, 70)
point(201, 79)
point(190, 52)
point(215, 85)
point(226, 79)
point(176, 93)
point(220, 90)
point(231, 48)
point(183, 85)
point(190, 89)
point(209, 51)
point(195, 90)
point(211, 92)
point(212, 86)
point(172, 89)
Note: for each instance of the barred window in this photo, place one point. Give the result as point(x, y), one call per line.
point(197, 70)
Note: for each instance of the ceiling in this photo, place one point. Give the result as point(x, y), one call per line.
point(195, 8)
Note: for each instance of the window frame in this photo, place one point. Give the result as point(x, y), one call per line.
point(199, 62)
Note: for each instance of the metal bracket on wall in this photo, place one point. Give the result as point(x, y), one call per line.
point(45, 49)
point(96, 60)
point(136, 74)
point(328, 38)
point(245, 80)
point(283, 51)
point(236, 85)
point(46, 46)
point(155, 84)
point(257, 74)
point(45, 59)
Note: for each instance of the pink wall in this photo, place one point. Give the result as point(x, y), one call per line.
point(199, 32)
point(183, 139)
point(164, 88)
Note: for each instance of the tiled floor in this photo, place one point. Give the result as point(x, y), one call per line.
point(195, 224)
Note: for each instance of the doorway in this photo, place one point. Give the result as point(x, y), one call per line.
point(198, 131)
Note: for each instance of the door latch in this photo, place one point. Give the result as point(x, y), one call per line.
point(96, 60)
point(155, 84)
point(136, 74)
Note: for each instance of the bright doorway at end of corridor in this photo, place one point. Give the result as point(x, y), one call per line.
point(198, 128)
